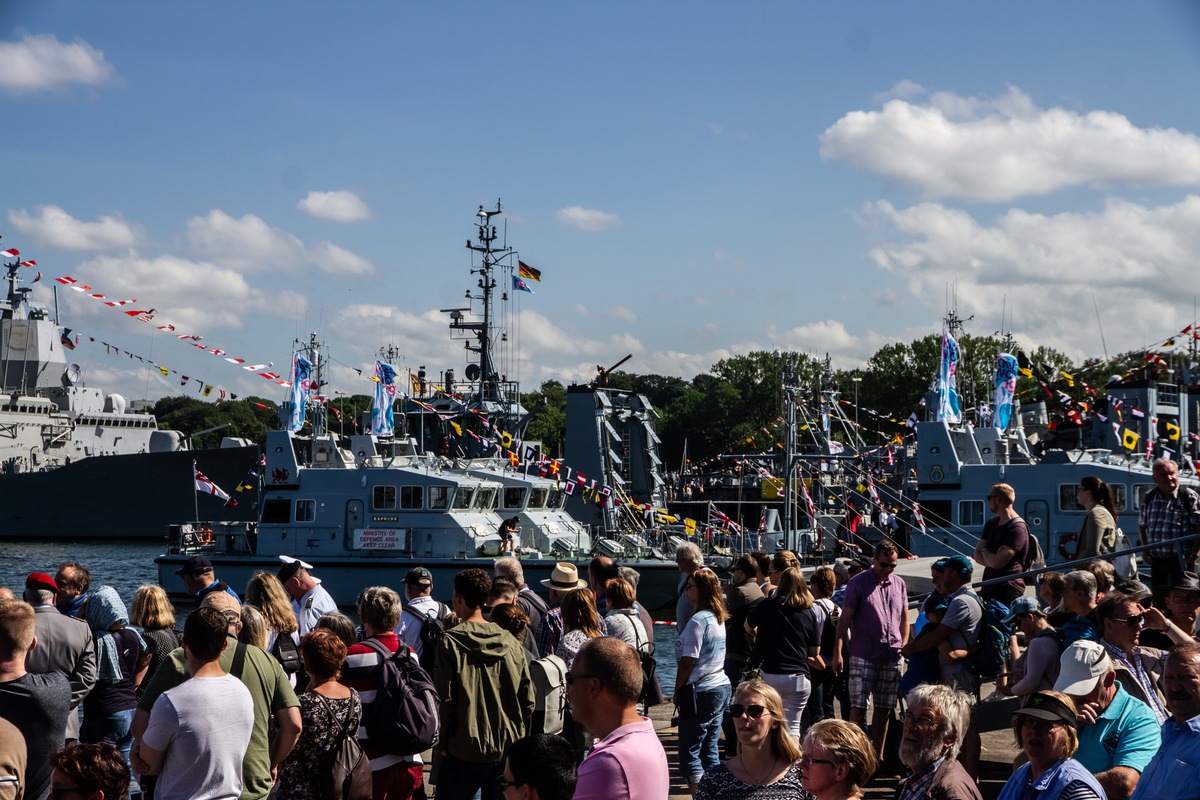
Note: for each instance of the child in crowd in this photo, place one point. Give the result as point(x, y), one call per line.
point(923, 667)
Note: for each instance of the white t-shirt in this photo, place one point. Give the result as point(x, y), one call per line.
point(409, 627)
point(204, 725)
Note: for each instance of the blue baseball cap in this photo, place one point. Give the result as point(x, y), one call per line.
point(934, 603)
point(1022, 605)
point(959, 563)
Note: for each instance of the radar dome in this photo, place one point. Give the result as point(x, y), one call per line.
point(117, 402)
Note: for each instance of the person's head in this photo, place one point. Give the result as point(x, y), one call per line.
point(838, 758)
point(471, 587)
point(105, 610)
point(764, 564)
point(197, 573)
point(419, 582)
point(823, 583)
point(793, 590)
point(601, 569)
point(539, 767)
point(853, 567)
point(511, 618)
point(16, 630)
point(1183, 598)
point(1094, 492)
point(745, 569)
point(509, 567)
point(1181, 681)
point(1120, 620)
point(758, 720)
point(1166, 475)
point(632, 576)
point(151, 609)
point(503, 592)
point(688, 557)
point(1026, 615)
point(619, 594)
point(1045, 728)
point(1001, 496)
point(254, 627)
point(204, 634)
point(1086, 674)
point(704, 592)
point(1079, 591)
point(265, 592)
point(322, 653)
point(604, 680)
point(93, 771)
point(1051, 586)
point(951, 573)
point(563, 578)
point(296, 579)
point(40, 589)
point(341, 625)
point(885, 559)
point(579, 612)
point(1104, 572)
point(73, 579)
point(379, 609)
point(934, 725)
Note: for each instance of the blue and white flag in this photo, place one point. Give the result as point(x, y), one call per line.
point(301, 383)
point(1006, 389)
point(949, 408)
point(520, 285)
point(383, 422)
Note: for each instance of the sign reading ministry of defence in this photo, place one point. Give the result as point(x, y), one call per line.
point(379, 538)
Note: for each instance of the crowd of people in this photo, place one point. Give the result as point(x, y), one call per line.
point(261, 692)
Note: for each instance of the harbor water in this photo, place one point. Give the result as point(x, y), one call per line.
point(127, 565)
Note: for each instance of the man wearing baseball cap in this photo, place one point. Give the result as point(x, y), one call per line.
point(1118, 734)
point(64, 644)
point(1180, 604)
point(419, 606)
point(198, 578)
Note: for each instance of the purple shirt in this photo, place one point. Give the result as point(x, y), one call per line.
point(879, 609)
point(628, 764)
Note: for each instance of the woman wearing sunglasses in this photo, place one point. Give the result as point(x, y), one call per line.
point(765, 767)
point(1045, 732)
point(838, 760)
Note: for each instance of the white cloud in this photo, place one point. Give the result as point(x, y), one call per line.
point(624, 313)
point(715, 129)
point(587, 219)
point(38, 63)
point(251, 245)
point(338, 206)
point(1050, 272)
point(828, 336)
point(1005, 147)
point(51, 226)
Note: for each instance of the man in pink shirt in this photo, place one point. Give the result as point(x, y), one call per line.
point(628, 761)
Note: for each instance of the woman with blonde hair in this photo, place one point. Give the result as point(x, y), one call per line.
point(783, 560)
point(765, 767)
point(580, 623)
point(701, 686)
point(254, 627)
point(787, 644)
point(838, 760)
point(1044, 729)
point(265, 592)
point(153, 613)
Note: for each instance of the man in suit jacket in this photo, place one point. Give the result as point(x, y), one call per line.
point(64, 644)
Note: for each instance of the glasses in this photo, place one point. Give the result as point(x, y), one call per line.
point(920, 722)
point(572, 678)
point(1137, 619)
point(737, 709)
point(807, 759)
point(888, 565)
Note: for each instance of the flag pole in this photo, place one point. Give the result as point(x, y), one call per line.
point(195, 498)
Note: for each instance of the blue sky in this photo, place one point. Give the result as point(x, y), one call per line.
point(695, 180)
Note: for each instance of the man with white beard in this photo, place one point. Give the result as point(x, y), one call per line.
point(934, 725)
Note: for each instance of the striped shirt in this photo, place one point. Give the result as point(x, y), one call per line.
point(361, 672)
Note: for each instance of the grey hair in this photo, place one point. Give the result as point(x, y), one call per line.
point(1082, 579)
point(1162, 464)
point(630, 574)
point(953, 709)
point(509, 567)
point(39, 597)
point(690, 552)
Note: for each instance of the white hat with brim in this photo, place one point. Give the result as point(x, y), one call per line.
point(1080, 667)
point(564, 578)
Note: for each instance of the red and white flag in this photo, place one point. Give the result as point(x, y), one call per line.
point(203, 484)
point(917, 517)
point(720, 520)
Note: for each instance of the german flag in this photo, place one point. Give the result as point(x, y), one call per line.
point(528, 272)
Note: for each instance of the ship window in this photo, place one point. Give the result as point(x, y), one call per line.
point(1118, 493)
point(558, 500)
point(462, 499)
point(970, 512)
point(538, 497)
point(1067, 497)
point(936, 513)
point(383, 498)
point(306, 510)
point(485, 500)
point(411, 496)
point(1139, 494)
point(439, 497)
point(514, 497)
point(277, 511)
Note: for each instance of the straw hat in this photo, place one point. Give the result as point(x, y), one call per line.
point(564, 578)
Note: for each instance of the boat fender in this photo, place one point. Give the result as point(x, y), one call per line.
point(1069, 555)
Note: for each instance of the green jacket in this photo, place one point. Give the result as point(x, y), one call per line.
point(483, 680)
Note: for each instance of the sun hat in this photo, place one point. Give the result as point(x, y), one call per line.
point(1047, 707)
point(1081, 665)
point(565, 577)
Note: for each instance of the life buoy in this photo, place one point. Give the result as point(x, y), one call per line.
point(1062, 546)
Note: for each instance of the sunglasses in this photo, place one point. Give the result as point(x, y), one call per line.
point(1137, 619)
point(737, 709)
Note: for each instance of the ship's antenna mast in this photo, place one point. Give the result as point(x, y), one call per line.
point(490, 257)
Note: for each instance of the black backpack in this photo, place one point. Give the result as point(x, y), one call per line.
point(433, 628)
point(651, 691)
point(347, 770)
point(404, 718)
point(285, 653)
